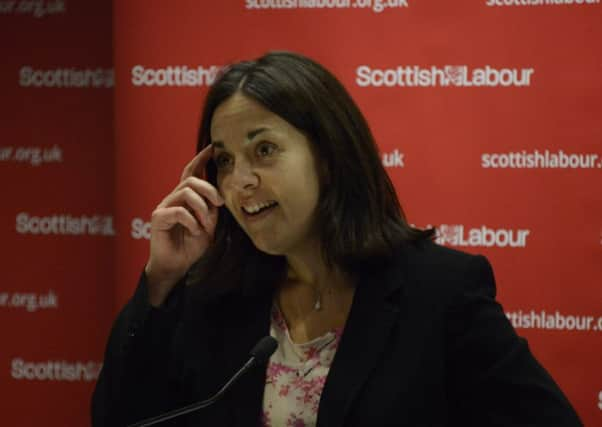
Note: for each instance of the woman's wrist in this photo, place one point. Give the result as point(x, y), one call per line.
point(158, 286)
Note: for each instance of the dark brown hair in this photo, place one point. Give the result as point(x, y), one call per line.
point(359, 218)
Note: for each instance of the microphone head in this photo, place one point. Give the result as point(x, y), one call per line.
point(264, 348)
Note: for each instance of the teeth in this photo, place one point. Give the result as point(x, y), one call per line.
point(252, 209)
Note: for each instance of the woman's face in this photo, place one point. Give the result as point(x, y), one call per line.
point(267, 174)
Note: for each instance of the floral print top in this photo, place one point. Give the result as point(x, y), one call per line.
point(296, 375)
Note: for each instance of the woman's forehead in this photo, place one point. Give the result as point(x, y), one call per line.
point(240, 117)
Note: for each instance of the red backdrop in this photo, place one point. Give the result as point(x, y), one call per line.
point(487, 114)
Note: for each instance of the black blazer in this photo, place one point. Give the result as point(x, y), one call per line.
point(425, 344)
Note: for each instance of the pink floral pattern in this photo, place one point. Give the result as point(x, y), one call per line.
point(295, 376)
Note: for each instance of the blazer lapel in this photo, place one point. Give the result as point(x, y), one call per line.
point(374, 310)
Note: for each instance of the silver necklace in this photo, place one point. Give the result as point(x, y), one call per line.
point(318, 302)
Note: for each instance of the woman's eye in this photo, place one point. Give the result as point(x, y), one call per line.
point(265, 149)
point(222, 161)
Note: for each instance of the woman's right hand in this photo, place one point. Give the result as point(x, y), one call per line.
point(182, 228)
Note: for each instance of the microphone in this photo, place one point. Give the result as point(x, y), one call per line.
point(260, 354)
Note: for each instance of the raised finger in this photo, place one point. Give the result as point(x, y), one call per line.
point(203, 188)
point(196, 167)
point(166, 218)
point(190, 199)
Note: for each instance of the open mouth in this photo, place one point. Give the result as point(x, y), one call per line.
point(259, 208)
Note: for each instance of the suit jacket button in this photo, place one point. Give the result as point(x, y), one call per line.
point(132, 330)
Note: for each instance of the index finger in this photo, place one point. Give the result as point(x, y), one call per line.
point(196, 167)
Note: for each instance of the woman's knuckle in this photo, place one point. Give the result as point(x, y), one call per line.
point(189, 192)
point(155, 214)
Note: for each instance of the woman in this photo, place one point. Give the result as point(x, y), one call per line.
point(285, 223)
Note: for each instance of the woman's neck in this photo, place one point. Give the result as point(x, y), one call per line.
point(309, 280)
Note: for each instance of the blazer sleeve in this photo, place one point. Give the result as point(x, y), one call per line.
point(497, 381)
point(133, 383)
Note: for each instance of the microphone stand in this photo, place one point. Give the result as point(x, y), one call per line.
point(259, 354)
point(198, 405)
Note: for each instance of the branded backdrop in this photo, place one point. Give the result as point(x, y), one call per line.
point(487, 115)
point(56, 209)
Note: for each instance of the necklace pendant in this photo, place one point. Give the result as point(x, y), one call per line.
point(318, 304)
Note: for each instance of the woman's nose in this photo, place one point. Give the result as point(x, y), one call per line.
point(244, 177)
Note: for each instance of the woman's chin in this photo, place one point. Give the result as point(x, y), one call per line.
point(268, 247)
